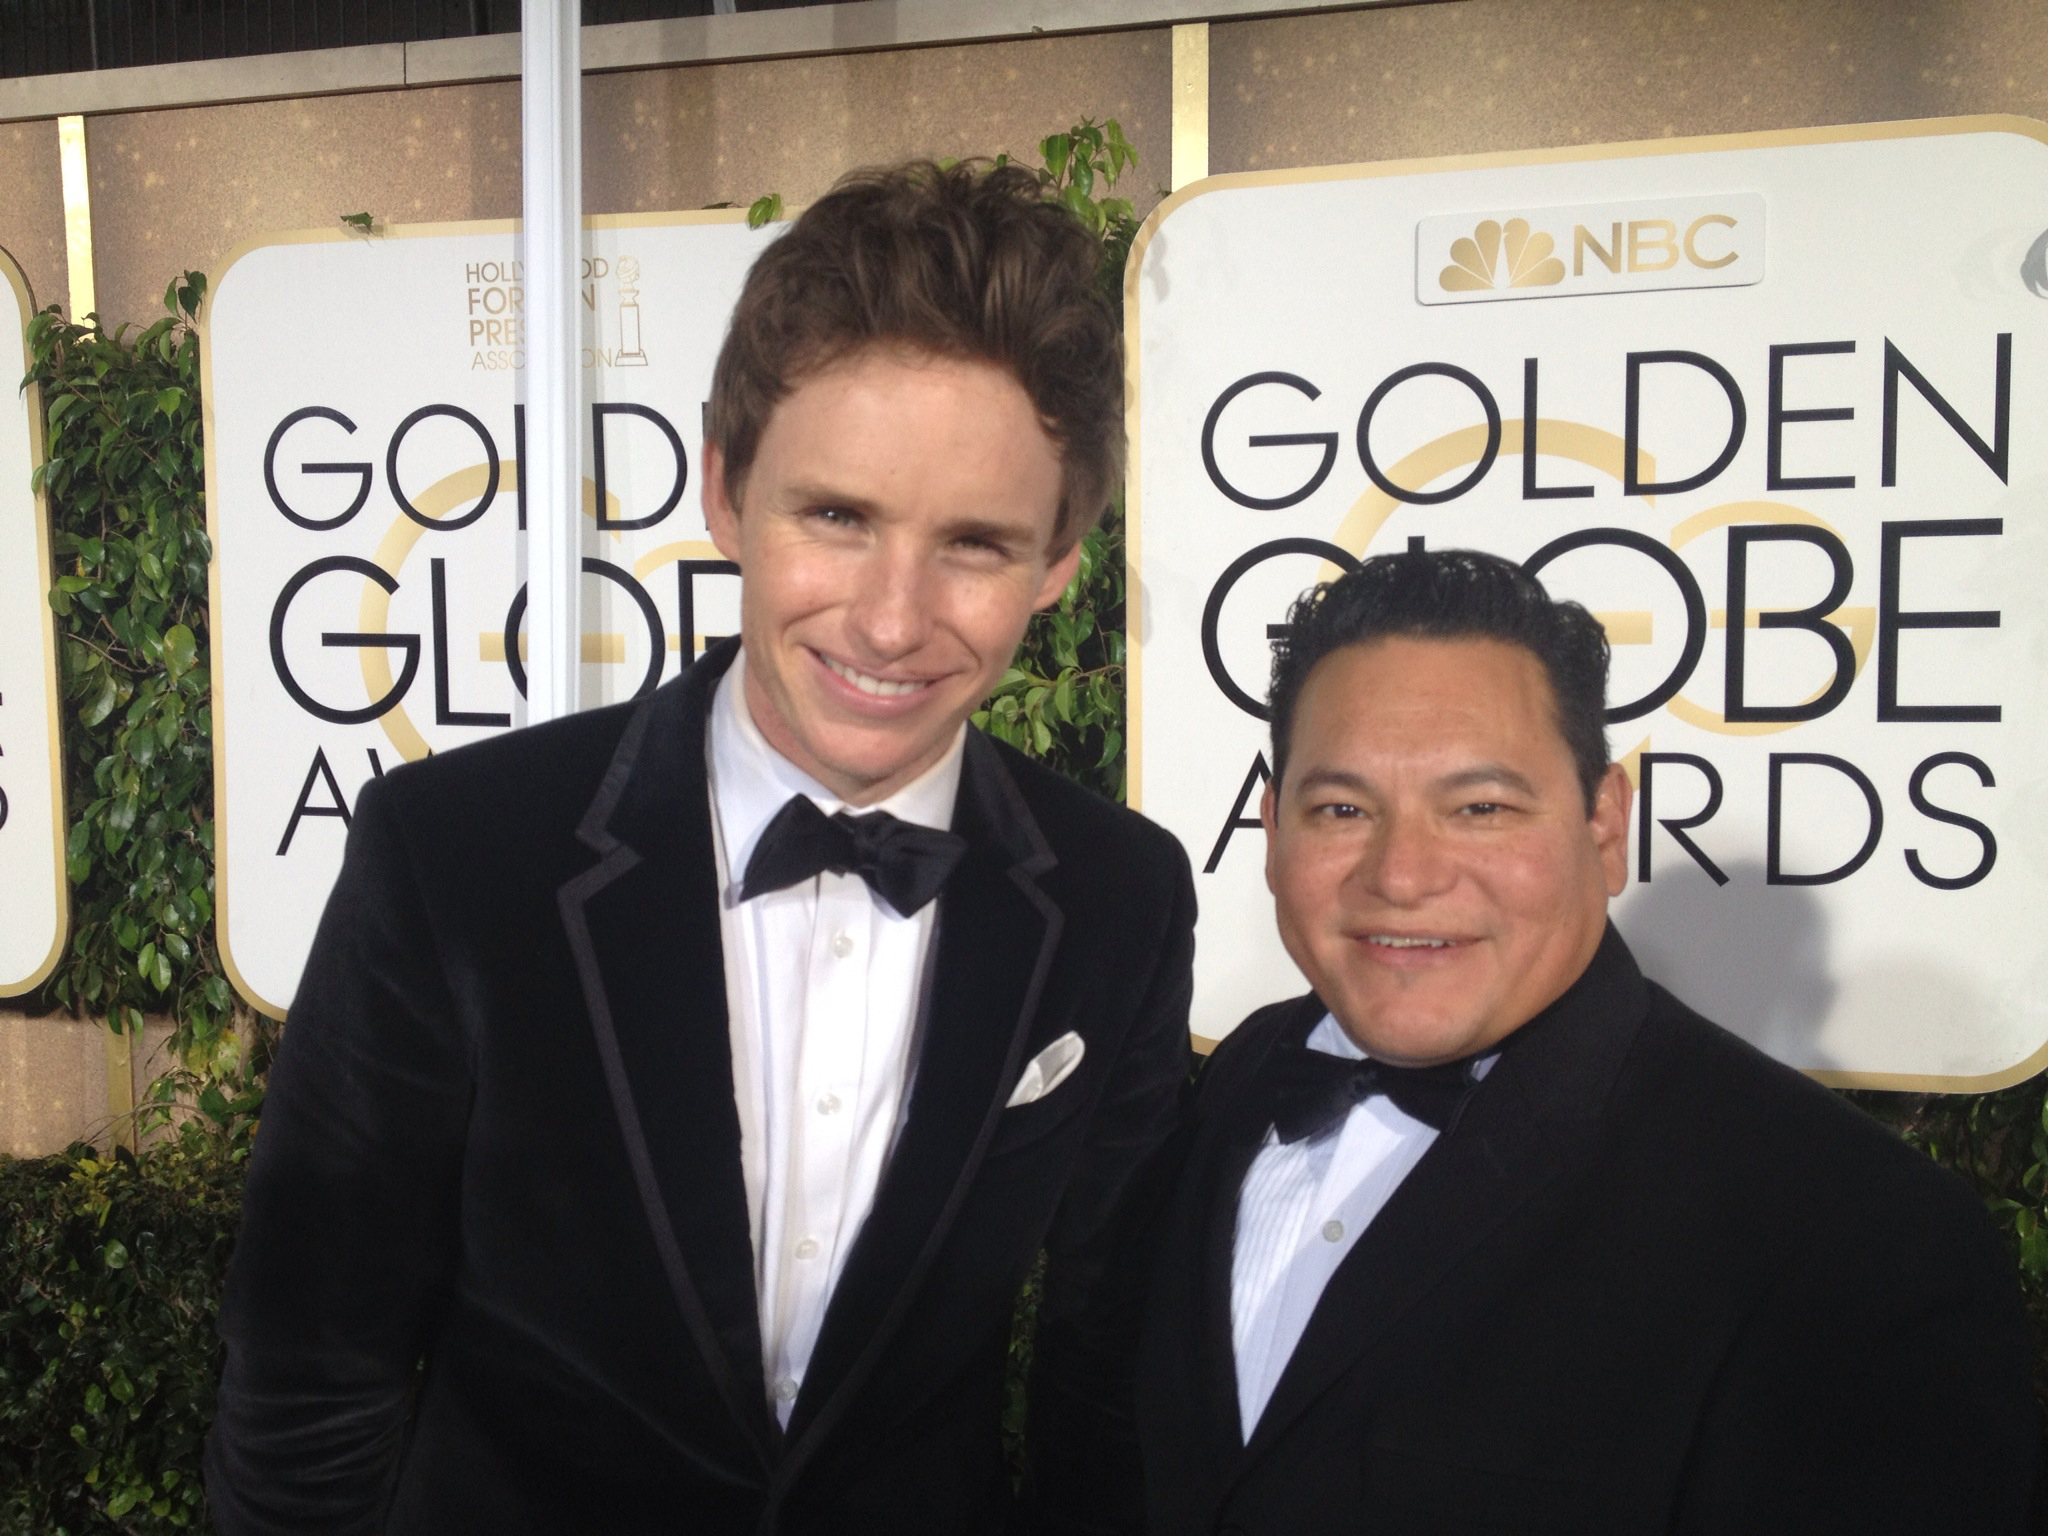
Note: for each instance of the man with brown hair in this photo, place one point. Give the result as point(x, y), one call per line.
point(693, 1082)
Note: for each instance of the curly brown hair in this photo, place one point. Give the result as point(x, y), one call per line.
point(972, 260)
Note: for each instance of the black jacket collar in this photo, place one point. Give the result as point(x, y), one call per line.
point(1524, 1127)
point(643, 927)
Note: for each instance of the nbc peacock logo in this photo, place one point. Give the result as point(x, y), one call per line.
point(1699, 241)
point(1497, 255)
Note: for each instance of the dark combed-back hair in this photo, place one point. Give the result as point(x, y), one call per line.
point(970, 261)
point(1452, 594)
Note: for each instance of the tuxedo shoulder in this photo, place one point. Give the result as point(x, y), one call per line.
point(1083, 827)
point(1238, 1054)
point(1723, 1107)
point(1261, 1024)
point(527, 778)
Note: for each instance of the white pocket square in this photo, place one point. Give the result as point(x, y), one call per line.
point(1048, 1069)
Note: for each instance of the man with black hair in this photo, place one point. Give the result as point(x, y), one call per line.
point(1491, 1234)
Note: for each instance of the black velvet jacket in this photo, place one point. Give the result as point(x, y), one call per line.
point(1648, 1281)
point(501, 1137)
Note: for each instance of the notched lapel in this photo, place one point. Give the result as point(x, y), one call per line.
point(643, 925)
point(997, 933)
point(1520, 1132)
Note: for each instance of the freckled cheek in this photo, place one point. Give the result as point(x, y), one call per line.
point(801, 593)
point(983, 625)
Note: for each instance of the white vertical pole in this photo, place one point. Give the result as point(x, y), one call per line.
point(551, 134)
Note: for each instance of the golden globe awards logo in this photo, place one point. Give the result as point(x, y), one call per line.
point(1636, 247)
point(369, 517)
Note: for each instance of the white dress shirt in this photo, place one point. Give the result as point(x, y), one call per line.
point(821, 983)
point(1301, 1207)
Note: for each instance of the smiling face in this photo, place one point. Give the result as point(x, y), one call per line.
point(1436, 874)
point(893, 542)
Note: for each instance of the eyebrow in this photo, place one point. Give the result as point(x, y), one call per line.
point(816, 495)
point(1331, 778)
point(825, 496)
point(1479, 775)
point(1487, 773)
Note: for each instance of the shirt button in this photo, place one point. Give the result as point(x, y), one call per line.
point(829, 1104)
point(842, 944)
point(807, 1248)
point(785, 1390)
point(1333, 1231)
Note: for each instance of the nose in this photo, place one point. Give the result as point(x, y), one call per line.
point(890, 615)
point(1408, 861)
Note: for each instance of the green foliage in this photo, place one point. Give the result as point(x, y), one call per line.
point(107, 1352)
point(1062, 699)
point(1078, 162)
point(122, 474)
point(764, 210)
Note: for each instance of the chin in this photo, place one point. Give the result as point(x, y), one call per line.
point(1412, 1038)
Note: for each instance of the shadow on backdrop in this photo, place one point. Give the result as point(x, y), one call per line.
point(1750, 956)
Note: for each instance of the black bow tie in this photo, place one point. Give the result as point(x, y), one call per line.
point(1310, 1092)
point(903, 863)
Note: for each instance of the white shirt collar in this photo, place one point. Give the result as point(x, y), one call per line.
point(1329, 1038)
point(751, 781)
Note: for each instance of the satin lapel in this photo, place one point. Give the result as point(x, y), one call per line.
point(1523, 1129)
point(997, 933)
point(643, 926)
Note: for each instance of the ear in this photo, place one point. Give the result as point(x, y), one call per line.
point(1269, 817)
point(1609, 825)
point(1058, 577)
point(720, 515)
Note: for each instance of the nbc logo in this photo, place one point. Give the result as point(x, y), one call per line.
point(1476, 259)
point(1714, 241)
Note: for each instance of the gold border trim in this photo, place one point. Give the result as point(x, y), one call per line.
point(202, 325)
point(1134, 588)
point(17, 281)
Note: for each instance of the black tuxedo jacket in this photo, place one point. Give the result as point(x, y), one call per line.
point(1647, 1281)
point(501, 1138)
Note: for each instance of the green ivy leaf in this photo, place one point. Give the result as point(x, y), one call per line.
point(1056, 151)
point(180, 650)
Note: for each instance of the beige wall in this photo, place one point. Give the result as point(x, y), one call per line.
point(32, 209)
point(54, 1075)
point(1480, 75)
point(681, 138)
point(180, 188)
